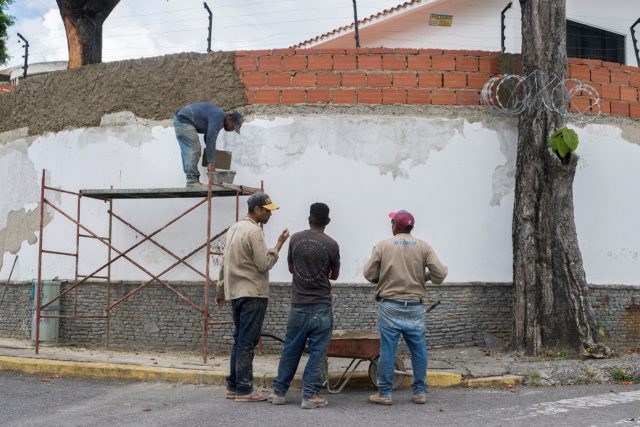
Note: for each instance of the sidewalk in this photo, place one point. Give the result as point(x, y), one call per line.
point(470, 367)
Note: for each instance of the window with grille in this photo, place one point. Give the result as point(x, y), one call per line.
point(588, 42)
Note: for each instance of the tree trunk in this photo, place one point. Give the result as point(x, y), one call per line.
point(552, 309)
point(83, 21)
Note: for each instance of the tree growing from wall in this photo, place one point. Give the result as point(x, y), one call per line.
point(5, 22)
point(83, 21)
point(552, 309)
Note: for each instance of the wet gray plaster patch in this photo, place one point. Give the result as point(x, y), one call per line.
point(374, 140)
point(504, 176)
point(20, 185)
point(152, 88)
point(133, 135)
point(22, 225)
point(18, 176)
point(11, 135)
point(472, 114)
point(442, 123)
point(630, 127)
point(631, 132)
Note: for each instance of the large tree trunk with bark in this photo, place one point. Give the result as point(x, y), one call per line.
point(552, 308)
point(83, 21)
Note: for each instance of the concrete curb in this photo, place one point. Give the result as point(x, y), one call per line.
point(501, 381)
point(443, 379)
point(111, 370)
point(129, 372)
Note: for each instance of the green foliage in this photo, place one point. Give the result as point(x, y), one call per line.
point(535, 378)
point(601, 330)
point(5, 22)
point(622, 377)
point(563, 141)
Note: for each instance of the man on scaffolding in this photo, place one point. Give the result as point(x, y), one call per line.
point(205, 118)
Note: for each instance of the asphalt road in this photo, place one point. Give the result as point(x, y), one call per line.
point(46, 401)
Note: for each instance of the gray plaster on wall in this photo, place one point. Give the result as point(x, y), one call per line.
point(17, 168)
point(368, 134)
point(152, 88)
point(19, 210)
point(367, 140)
point(504, 176)
point(630, 127)
point(22, 225)
point(12, 135)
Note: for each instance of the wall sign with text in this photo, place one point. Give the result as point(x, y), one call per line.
point(440, 20)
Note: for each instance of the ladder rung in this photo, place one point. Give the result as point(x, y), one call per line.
point(88, 236)
point(59, 253)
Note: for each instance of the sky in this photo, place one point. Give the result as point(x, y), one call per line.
point(144, 28)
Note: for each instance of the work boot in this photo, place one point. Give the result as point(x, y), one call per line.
point(315, 401)
point(195, 184)
point(254, 396)
point(379, 399)
point(229, 394)
point(420, 398)
point(276, 399)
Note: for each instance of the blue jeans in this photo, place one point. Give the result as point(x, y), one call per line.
point(312, 322)
point(395, 319)
point(248, 315)
point(189, 142)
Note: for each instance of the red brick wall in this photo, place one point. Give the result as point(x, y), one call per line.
point(407, 76)
point(617, 85)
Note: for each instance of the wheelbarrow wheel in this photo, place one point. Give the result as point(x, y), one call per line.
point(398, 365)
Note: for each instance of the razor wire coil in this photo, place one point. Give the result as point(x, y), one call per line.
point(513, 94)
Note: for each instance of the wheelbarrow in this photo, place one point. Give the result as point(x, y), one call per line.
point(359, 346)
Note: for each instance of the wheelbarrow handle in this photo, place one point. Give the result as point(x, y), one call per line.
point(270, 335)
point(432, 306)
point(277, 338)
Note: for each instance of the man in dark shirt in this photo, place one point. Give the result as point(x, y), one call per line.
point(314, 258)
point(205, 118)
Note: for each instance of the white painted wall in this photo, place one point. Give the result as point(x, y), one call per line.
point(456, 177)
point(476, 25)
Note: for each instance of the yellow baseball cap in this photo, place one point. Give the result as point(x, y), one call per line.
point(262, 199)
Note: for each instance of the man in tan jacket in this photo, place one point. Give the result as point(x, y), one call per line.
point(400, 266)
point(244, 280)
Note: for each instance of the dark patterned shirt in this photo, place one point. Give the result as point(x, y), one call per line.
point(313, 255)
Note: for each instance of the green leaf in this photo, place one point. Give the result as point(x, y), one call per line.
point(570, 138)
point(563, 141)
point(562, 148)
point(601, 330)
point(558, 132)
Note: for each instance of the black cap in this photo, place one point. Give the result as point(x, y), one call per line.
point(237, 120)
point(261, 199)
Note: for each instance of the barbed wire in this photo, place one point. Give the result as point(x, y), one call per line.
point(513, 94)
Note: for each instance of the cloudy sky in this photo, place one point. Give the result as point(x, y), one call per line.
point(142, 28)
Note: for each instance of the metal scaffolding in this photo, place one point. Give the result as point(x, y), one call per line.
point(204, 194)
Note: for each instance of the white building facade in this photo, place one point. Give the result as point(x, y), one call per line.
point(595, 28)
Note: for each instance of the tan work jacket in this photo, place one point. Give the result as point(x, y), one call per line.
point(246, 262)
point(397, 266)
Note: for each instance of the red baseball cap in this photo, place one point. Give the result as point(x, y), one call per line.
point(403, 219)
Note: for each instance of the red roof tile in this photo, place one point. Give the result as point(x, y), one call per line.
point(384, 13)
